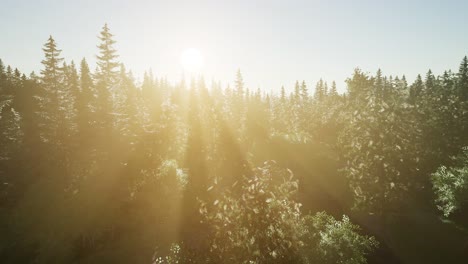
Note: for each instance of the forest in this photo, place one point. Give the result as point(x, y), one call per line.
point(97, 166)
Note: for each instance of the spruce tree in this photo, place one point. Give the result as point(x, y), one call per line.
point(239, 85)
point(416, 89)
point(2, 76)
point(106, 60)
point(297, 92)
point(319, 90)
point(283, 95)
point(447, 82)
point(325, 89)
point(462, 82)
point(52, 72)
point(86, 102)
point(430, 83)
point(304, 92)
point(49, 101)
point(379, 84)
point(238, 102)
point(404, 85)
point(106, 78)
point(333, 91)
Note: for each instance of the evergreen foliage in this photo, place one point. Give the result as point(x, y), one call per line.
point(100, 167)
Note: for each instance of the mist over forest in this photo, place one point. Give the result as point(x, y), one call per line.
point(98, 167)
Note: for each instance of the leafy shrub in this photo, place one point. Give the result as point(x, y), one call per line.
point(451, 185)
point(264, 224)
point(333, 241)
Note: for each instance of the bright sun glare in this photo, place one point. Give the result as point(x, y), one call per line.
point(192, 60)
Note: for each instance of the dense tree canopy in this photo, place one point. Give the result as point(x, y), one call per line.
point(99, 167)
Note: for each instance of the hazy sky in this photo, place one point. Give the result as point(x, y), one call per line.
point(272, 42)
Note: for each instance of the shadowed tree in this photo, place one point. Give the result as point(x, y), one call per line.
point(52, 76)
point(106, 78)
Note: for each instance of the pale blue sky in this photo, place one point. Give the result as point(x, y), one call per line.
point(272, 42)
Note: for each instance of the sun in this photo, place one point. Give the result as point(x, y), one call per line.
point(192, 60)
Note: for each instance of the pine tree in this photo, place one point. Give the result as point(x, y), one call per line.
point(106, 78)
point(333, 91)
point(52, 72)
point(359, 84)
point(304, 92)
point(126, 105)
point(283, 95)
point(9, 74)
point(147, 89)
point(404, 85)
point(239, 103)
point(447, 82)
point(2, 77)
point(462, 83)
point(430, 83)
point(416, 90)
point(107, 64)
point(10, 133)
point(319, 90)
point(297, 93)
point(86, 103)
point(52, 77)
point(239, 85)
point(11, 136)
point(68, 97)
point(379, 84)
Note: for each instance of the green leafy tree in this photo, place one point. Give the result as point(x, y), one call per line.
point(376, 147)
point(333, 241)
point(263, 225)
point(450, 185)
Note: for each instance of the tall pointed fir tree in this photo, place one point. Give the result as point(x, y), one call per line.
point(304, 92)
point(67, 104)
point(106, 78)
point(416, 90)
point(11, 135)
point(239, 106)
point(379, 84)
point(86, 104)
point(297, 92)
point(462, 87)
point(319, 90)
point(283, 95)
point(126, 106)
point(462, 83)
point(32, 148)
point(333, 91)
point(2, 77)
point(239, 84)
point(52, 76)
point(447, 82)
point(430, 84)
